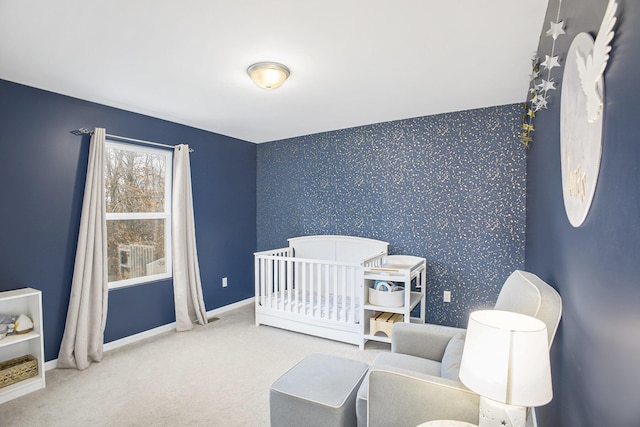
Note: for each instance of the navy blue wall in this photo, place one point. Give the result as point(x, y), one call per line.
point(42, 173)
point(595, 267)
point(450, 188)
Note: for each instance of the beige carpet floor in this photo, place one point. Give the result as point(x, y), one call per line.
point(214, 375)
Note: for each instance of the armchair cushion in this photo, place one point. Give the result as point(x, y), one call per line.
point(452, 357)
point(393, 361)
point(417, 398)
point(406, 361)
point(428, 341)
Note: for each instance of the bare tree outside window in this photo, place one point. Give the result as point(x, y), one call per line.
point(137, 194)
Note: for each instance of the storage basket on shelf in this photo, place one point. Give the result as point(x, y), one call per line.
point(387, 299)
point(18, 369)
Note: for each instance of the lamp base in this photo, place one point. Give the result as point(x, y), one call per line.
point(496, 414)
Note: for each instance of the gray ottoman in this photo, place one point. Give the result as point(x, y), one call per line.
point(319, 391)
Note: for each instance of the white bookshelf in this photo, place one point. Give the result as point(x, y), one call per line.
point(23, 301)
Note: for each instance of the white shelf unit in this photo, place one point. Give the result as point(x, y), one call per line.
point(403, 270)
point(26, 301)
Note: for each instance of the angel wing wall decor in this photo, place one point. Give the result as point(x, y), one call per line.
point(591, 68)
point(581, 109)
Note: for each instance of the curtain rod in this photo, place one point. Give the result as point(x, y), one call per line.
point(85, 131)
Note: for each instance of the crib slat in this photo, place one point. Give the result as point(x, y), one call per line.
point(270, 283)
point(258, 279)
point(353, 286)
point(343, 295)
point(316, 304)
point(308, 289)
point(305, 288)
point(334, 315)
point(312, 288)
point(322, 287)
point(300, 284)
point(280, 286)
point(285, 284)
point(263, 281)
point(290, 283)
point(324, 305)
point(313, 284)
point(351, 291)
point(257, 273)
point(274, 283)
point(278, 292)
point(317, 287)
point(282, 289)
point(325, 293)
point(309, 301)
point(295, 280)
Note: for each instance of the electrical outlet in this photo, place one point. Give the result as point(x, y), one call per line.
point(446, 296)
point(224, 282)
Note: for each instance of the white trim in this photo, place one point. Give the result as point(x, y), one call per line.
point(53, 364)
point(230, 307)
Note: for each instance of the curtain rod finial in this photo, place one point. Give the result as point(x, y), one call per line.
point(81, 131)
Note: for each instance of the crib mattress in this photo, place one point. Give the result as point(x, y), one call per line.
point(319, 307)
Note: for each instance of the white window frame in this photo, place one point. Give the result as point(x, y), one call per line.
point(166, 214)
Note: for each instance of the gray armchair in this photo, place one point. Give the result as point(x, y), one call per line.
point(418, 380)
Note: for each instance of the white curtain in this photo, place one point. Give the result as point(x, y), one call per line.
point(83, 337)
point(187, 288)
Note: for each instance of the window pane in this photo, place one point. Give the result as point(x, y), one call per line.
point(134, 181)
point(135, 248)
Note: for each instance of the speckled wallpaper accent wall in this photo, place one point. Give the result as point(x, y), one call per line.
point(450, 188)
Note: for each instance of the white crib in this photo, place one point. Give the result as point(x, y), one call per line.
point(315, 286)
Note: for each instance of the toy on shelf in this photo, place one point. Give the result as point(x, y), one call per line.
point(14, 325)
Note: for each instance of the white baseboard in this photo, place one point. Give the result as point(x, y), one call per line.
point(52, 364)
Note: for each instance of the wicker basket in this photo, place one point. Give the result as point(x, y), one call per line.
point(18, 369)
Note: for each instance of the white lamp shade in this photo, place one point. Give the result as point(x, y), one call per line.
point(506, 358)
point(268, 75)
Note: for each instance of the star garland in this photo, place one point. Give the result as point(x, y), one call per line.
point(539, 86)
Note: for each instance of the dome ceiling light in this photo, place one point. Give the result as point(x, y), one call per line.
point(268, 75)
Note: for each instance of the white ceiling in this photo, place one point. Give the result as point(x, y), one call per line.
point(353, 62)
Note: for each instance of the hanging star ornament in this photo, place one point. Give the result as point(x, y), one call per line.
point(534, 74)
point(530, 105)
point(546, 85)
point(525, 139)
point(550, 62)
point(539, 103)
point(527, 127)
point(556, 29)
point(539, 86)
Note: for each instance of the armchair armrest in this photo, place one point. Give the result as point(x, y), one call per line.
point(398, 397)
point(427, 341)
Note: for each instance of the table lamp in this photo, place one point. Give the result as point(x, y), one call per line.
point(506, 361)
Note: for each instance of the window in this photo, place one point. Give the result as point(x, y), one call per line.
point(138, 204)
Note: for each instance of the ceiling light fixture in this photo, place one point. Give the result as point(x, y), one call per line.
point(268, 75)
